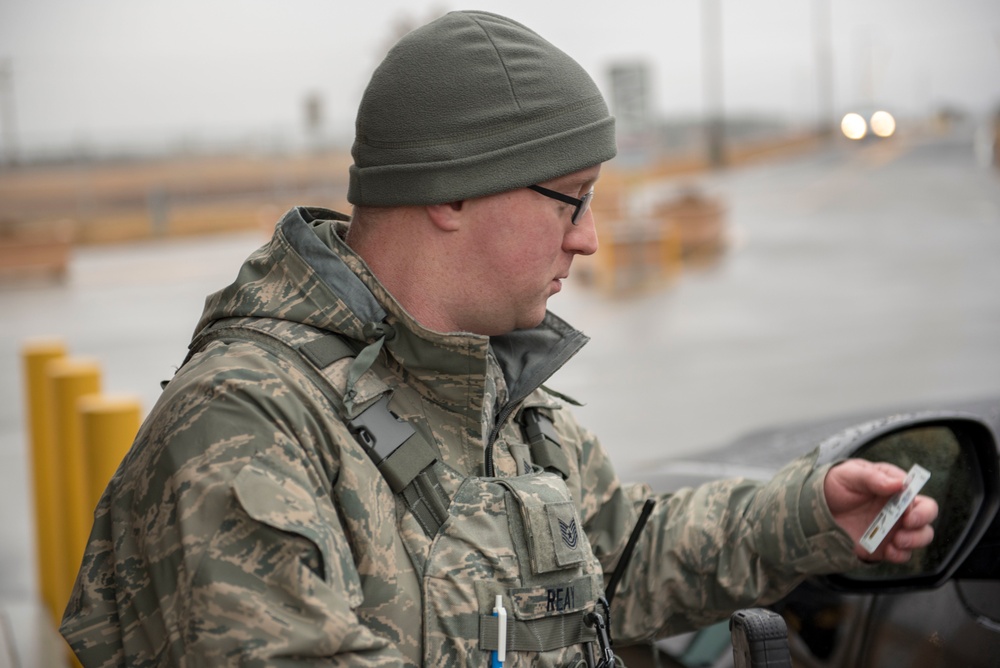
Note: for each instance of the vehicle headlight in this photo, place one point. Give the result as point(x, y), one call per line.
point(883, 124)
point(853, 126)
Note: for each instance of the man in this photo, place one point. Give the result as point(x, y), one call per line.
point(358, 462)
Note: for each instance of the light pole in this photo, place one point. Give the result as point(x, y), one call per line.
point(823, 39)
point(711, 67)
point(8, 124)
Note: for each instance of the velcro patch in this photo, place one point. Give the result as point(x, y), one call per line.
point(565, 532)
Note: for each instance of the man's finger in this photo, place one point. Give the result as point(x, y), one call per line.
point(881, 478)
point(922, 511)
point(913, 539)
point(856, 481)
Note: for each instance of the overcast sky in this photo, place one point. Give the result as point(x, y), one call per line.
point(98, 71)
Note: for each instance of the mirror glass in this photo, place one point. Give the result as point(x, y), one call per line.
point(952, 484)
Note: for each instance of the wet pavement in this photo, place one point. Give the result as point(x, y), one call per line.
point(859, 278)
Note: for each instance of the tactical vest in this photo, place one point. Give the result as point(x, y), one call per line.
point(505, 567)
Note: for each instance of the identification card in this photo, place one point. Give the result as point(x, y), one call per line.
point(894, 508)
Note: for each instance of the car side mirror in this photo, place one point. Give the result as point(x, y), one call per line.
point(960, 451)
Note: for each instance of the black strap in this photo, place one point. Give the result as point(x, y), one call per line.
point(405, 460)
point(380, 431)
point(427, 500)
point(403, 457)
point(277, 347)
point(543, 440)
point(626, 556)
point(325, 350)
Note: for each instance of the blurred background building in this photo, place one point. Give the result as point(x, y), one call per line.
point(118, 115)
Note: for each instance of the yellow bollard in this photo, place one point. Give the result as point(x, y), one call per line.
point(49, 544)
point(110, 423)
point(71, 379)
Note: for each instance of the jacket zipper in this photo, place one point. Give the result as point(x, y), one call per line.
point(502, 417)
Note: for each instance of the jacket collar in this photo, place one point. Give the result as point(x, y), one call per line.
point(324, 283)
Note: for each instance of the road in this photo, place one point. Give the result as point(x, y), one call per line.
point(860, 278)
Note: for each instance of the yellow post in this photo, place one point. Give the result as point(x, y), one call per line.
point(110, 423)
point(71, 379)
point(35, 355)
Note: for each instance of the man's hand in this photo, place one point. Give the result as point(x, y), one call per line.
point(857, 489)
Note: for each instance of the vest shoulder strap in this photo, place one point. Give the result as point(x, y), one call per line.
point(403, 457)
point(543, 440)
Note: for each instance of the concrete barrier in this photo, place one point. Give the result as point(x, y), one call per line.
point(35, 249)
point(642, 250)
point(698, 222)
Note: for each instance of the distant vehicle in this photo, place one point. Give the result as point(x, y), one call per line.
point(879, 124)
point(940, 610)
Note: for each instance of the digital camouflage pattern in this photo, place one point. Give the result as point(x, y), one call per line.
point(247, 526)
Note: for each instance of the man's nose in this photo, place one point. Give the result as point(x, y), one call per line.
point(582, 237)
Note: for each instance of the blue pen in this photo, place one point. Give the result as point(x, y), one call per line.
point(500, 654)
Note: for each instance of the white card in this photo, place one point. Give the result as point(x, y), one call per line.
point(894, 508)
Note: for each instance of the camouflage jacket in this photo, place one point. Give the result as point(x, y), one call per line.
point(248, 526)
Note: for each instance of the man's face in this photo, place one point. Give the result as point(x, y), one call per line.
point(523, 244)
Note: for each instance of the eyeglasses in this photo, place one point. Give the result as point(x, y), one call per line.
point(581, 204)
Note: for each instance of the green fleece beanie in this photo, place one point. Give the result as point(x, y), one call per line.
point(474, 104)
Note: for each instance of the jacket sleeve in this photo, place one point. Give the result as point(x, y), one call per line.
point(707, 551)
point(218, 542)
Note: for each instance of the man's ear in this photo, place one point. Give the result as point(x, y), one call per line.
point(448, 216)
